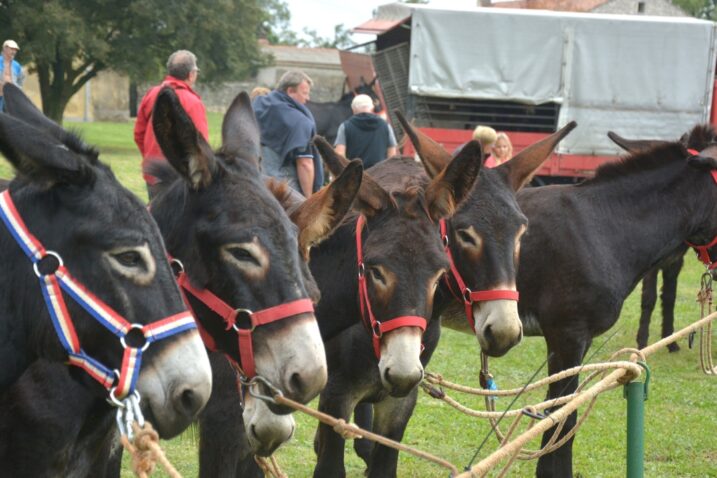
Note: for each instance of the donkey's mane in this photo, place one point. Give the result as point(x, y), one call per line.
point(700, 137)
point(74, 142)
point(639, 162)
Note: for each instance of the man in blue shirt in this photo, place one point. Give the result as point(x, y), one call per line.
point(287, 128)
point(10, 69)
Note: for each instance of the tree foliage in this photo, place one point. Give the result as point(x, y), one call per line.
point(68, 42)
point(706, 9)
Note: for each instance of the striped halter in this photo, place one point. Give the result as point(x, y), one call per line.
point(119, 383)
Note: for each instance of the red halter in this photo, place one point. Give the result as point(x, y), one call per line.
point(466, 295)
point(377, 328)
point(230, 314)
point(703, 253)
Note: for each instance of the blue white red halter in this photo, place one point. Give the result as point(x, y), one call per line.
point(119, 383)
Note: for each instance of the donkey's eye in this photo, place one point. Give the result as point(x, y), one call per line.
point(466, 237)
point(243, 255)
point(377, 276)
point(129, 258)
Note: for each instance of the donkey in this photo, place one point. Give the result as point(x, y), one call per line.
point(670, 267)
point(483, 241)
point(330, 115)
point(575, 274)
point(397, 277)
point(91, 239)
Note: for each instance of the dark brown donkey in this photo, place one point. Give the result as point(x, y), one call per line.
point(591, 243)
point(402, 262)
point(113, 270)
point(483, 237)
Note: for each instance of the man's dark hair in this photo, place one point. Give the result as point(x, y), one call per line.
point(181, 63)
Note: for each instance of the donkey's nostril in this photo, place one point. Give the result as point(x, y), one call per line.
point(386, 375)
point(297, 384)
point(253, 431)
point(488, 334)
point(190, 403)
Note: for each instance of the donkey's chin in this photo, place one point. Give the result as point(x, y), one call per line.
point(293, 359)
point(265, 430)
point(175, 383)
point(498, 327)
point(400, 364)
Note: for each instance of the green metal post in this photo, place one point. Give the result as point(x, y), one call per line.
point(636, 394)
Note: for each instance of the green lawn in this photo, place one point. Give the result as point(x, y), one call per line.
point(681, 413)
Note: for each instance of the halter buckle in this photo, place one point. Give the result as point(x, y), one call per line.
point(467, 295)
point(177, 267)
point(139, 327)
point(376, 329)
point(246, 312)
point(54, 254)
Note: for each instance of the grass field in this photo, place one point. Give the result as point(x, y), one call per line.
point(681, 412)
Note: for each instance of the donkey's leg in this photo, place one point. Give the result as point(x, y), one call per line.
point(669, 294)
point(391, 416)
point(338, 401)
point(649, 299)
point(222, 439)
point(569, 353)
point(363, 417)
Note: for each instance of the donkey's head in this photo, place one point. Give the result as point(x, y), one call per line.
point(235, 240)
point(402, 256)
point(108, 242)
point(484, 237)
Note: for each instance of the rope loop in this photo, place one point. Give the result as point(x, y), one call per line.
point(145, 452)
point(348, 431)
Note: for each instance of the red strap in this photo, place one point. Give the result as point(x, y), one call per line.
point(209, 299)
point(466, 295)
point(376, 328)
point(282, 311)
point(495, 294)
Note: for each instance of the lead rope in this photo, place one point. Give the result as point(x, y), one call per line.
point(145, 451)
point(270, 466)
point(704, 297)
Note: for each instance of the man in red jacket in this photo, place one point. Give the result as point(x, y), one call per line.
point(182, 73)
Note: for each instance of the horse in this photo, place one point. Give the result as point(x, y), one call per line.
point(589, 245)
point(482, 239)
point(329, 115)
point(91, 240)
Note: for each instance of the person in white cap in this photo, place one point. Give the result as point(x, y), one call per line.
point(10, 69)
point(365, 135)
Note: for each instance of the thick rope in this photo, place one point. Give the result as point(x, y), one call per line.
point(146, 452)
point(704, 297)
point(270, 467)
point(349, 430)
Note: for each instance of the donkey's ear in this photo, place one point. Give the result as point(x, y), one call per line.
point(371, 197)
point(240, 130)
point(322, 213)
point(40, 157)
point(433, 156)
point(454, 183)
point(181, 142)
point(635, 145)
point(705, 160)
point(521, 169)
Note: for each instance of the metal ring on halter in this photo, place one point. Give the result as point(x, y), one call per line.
point(112, 400)
point(444, 238)
point(140, 327)
point(361, 270)
point(178, 263)
point(47, 253)
point(259, 379)
point(249, 314)
point(467, 295)
point(376, 329)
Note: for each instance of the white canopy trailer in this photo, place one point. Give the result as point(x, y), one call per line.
point(531, 72)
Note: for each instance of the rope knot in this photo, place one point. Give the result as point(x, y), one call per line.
point(348, 431)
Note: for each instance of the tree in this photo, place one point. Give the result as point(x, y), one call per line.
point(342, 38)
point(706, 9)
point(68, 42)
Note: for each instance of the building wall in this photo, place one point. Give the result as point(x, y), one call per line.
point(652, 7)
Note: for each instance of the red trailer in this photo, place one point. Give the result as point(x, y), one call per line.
point(529, 72)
